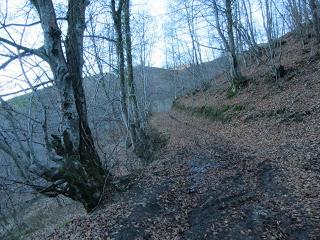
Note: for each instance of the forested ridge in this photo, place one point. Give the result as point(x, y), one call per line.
point(100, 144)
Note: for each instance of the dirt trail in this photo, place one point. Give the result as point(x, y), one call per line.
point(203, 186)
point(238, 194)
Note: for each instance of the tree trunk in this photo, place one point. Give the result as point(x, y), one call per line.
point(142, 146)
point(315, 18)
point(80, 174)
point(235, 74)
point(117, 20)
point(129, 104)
point(229, 44)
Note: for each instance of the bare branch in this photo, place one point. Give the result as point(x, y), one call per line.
point(13, 58)
point(210, 47)
point(38, 52)
point(27, 89)
point(26, 24)
point(100, 37)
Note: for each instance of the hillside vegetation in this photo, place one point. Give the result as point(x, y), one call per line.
point(242, 166)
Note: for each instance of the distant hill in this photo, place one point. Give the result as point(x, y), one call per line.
point(163, 86)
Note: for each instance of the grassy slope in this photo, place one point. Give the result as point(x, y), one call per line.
point(240, 168)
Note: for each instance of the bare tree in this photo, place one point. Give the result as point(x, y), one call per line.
point(129, 105)
point(146, 40)
point(229, 41)
point(314, 5)
point(78, 172)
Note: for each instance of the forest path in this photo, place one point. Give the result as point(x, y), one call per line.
point(236, 194)
point(202, 186)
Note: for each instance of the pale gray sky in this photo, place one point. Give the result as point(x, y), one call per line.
point(158, 10)
point(11, 79)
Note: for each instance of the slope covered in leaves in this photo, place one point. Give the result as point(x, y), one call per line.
point(245, 167)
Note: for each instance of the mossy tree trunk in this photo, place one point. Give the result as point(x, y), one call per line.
point(79, 173)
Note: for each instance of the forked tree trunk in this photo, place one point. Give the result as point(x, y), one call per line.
point(141, 141)
point(129, 104)
point(117, 23)
point(80, 174)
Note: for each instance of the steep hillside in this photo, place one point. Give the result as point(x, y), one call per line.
point(235, 167)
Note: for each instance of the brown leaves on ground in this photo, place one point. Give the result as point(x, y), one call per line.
point(255, 176)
